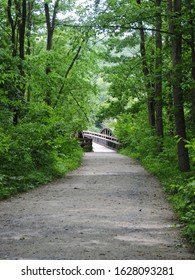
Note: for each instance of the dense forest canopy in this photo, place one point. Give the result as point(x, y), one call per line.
point(68, 65)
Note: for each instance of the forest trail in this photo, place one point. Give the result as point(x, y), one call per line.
point(109, 208)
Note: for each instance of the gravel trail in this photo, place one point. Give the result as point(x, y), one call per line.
point(108, 209)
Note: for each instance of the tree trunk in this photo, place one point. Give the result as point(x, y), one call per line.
point(149, 87)
point(17, 21)
point(158, 73)
point(169, 95)
point(50, 30)
point(193, 73)
point(29, 25)
point(191, 6)
point(51, 23)
point(183, 158)
point(28, 35)
point(13, 28)
point(22, 25)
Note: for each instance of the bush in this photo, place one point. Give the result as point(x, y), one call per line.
point(35, 152)
point(136, 135)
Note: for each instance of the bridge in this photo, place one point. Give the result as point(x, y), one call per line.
point(104, 138)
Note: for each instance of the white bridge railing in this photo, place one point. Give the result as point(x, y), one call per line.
point(103, 139)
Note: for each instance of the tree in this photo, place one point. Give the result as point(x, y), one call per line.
point(190, 9)
point(149, 85)
point(17, 21)
point(51, 23)
point(183, 157)
point(158, 73)
point(164, 82)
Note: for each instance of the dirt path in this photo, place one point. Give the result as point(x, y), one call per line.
point(110, 208)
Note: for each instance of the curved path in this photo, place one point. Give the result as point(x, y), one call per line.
point(110, 208)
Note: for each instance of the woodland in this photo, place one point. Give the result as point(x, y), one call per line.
point(69, 65)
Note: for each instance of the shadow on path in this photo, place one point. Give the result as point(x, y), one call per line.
point(109, 208)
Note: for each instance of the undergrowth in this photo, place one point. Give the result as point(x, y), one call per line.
point(23, 177)
point(36, 151)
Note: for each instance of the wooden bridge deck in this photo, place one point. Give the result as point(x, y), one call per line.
point(103, 139)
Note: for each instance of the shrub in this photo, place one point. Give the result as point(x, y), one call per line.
point(35, 152)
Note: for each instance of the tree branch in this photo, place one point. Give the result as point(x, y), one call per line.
point(50, 24)
point(9, 4)
point(70, 67)
point(47, 15)
point(54, 14)
point(22, 29)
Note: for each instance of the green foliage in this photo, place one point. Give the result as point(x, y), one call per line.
point(135, 134)
point(182, 196)
point(135, 74)
point(45, 96)
point(36, 142)
point(37, 151)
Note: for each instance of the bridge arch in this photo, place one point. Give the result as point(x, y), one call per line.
point(107, 131)
point(103, 138)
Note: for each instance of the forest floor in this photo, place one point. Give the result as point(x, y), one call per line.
point(108, 209)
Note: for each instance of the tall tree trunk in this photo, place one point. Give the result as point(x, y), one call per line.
point(29, 25)
point(50, 30)
point(21, 27)
point(13, 28)
point(28, 35)
point(169, 99)
point(158, 73)
point(14, 52)
point(149, 87)
point(183, 158)
point(191, 7)
point(17, 21)
point(193, 73)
